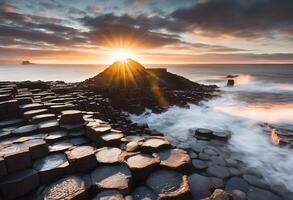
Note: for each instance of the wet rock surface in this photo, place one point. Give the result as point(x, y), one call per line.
point(66, 141)
point(168, 184)
point(116, 177)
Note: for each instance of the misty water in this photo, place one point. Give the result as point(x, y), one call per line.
point(262, 94)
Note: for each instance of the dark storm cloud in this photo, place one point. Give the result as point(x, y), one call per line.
point(138, 32)
point(240, 18)
point(141, 30)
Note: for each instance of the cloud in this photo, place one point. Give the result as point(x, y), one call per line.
point(94, 9)
point(237, 18)
point(137, 4)
point(126, 31)
point(7, 8)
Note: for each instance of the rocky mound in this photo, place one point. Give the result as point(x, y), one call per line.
point(131, 74)
point(132, 87)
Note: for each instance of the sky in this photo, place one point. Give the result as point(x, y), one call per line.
point(156, 31)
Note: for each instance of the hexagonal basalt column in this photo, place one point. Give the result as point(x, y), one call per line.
point(15, 154)
point(142, 165)
point(83, 158)
point(177, 159)
point(117, 177)
point(168, 184)
point(51, 166)
point(155, 144)
point(38, 148)
point(19, 184)
point(71, 117)
point(109, 155)
point(70, 187)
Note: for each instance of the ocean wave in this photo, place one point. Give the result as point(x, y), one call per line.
point(248, 142)
point(246, 82)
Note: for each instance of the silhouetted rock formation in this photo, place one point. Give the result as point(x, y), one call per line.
point(230, 82)
point(26, 62)
point(131, 74)
point(132, 87)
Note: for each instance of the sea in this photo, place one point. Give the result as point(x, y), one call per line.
point(262, 94)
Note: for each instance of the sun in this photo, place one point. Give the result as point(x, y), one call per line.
point(122, 54)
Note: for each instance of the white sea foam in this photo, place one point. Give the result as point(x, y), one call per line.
point(248, 138)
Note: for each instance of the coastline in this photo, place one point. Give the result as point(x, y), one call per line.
point(98, 138)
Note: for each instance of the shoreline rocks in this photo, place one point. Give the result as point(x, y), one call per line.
point(81, 147)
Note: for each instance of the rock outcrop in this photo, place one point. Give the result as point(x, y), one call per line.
point(132, 87)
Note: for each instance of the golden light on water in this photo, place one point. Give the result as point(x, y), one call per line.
point(275, 137)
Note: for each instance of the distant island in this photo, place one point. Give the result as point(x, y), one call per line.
point(26, 62)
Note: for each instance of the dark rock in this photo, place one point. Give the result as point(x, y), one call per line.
point(9, 109)
point(77, 133)
point(24, 100)
point(155, 144)
point(10, 123)
point(26, 130)
point(83, 158)
point(117, 177)
point(3, 170)
point(71, 117)
point(43, 117)
point(51, 166)
point(231, 162)
point(210, 152)
point(234, 171)
point(259, 194)
point(199, 164)
point(77, 141)
point(201, 186)
point(204, 156)
point(112, 138)
point(60, 146)
point(238, 187)
point(144, 193)
point(72, 127)
point(19, 184)
point(232, 76)
point(57, 109)
point(31, 113)
point(16, 156)
point(192, 154)
point(218, 171)
point(33, 106)
point(48, 126)
point(255, 181)
point(168, 184)
point(203, 134)
point(198, 147)
point(95, 129)
point(215, 160)
point(230, 82)
point(38, 148)
point(56, 136)
point(142, 164)
point(224, 136)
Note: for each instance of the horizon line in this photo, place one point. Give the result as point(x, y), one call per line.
point(204, 63)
